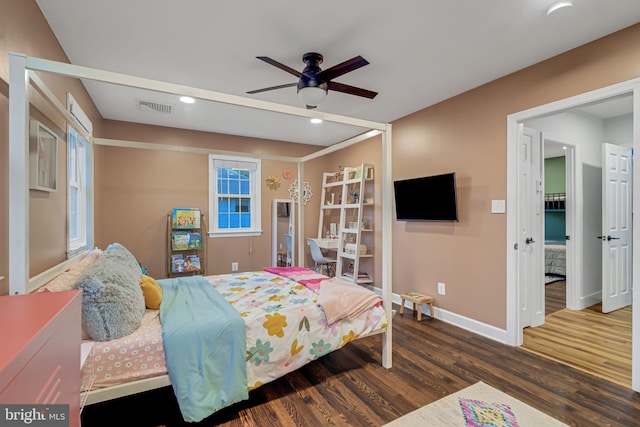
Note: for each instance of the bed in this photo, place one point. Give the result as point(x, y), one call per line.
point(289, 321)
point(68, 271)
point(555, 258)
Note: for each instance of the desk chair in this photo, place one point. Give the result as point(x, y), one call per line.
point(322, 263)
point(289, 240)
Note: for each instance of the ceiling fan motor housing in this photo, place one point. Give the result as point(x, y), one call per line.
point(309, 74)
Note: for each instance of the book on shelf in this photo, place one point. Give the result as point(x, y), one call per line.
point(185, 218)
point(177, 263)
point(182, 241)
point(192, 263)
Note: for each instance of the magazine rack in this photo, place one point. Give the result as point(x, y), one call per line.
point(186, 243)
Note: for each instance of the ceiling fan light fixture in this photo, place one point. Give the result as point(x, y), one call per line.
point(312, 95)
point(555, 7)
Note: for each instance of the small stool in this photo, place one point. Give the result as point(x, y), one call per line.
point(417, 299)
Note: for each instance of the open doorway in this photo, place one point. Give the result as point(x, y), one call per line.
point(557, 212)
point(554, 119)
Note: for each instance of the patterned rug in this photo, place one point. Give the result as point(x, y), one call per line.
point(551, 278)
point(479, 405)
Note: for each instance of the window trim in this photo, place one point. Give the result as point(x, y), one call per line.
point(84, 165)
point(255, 191)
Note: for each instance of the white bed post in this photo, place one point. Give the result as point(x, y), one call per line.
point(300, 234)
point(386, 242)
point(18, 174)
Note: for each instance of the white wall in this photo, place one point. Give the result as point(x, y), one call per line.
point(588, 133)
point(619, 130)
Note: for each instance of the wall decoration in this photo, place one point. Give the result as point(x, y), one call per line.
point(273, 182)
point(306, 191)
point(43, 157)
point(287, 174)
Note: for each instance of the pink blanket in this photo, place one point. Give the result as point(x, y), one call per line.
point(342, 299)
point(304, 276)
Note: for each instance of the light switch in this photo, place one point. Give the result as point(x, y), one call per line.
point(498, 206)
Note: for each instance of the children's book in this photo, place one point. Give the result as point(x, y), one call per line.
point(192, 263)
point(185, 218)
point(177, 263)
point(181, 241)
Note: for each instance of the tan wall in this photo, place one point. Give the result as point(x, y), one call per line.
point(137, 189)
point(24, 30)
point(467, 134)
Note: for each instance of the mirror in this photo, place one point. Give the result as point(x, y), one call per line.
point(282, 224)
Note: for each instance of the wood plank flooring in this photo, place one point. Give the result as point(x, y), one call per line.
point(587, 340)
point(555, 296)
point(431, 359)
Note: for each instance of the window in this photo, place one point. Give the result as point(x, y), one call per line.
point(79, 199)
point(234, 196)
point(77, 191)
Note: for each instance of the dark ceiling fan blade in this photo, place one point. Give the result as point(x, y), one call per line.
point(279, 65)
point(342, 68)
point(351, 90)
point(272, 88)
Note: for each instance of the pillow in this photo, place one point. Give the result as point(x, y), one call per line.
point(152, 292)
point(65, 280)
point(112, 300)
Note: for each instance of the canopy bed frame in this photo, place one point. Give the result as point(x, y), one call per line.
point(23, 78)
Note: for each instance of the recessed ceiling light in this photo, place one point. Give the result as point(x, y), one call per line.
point(187, 99)
point(316, 121)
point(555, 8)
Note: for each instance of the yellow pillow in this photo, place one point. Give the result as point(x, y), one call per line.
point(152, 292)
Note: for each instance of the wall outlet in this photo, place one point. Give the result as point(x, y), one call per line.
point(441, 288)
point(234, 266)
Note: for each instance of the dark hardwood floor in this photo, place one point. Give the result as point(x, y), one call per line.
point(431, 359)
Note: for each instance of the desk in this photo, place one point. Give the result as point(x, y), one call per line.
point(329, 244)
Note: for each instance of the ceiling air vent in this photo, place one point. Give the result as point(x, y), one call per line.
point(155, 107)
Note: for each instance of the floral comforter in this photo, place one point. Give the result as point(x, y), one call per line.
point(285, 327)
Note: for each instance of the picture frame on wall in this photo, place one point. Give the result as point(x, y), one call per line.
point(43, 157)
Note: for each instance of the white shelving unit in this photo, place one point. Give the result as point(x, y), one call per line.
point(347, 201)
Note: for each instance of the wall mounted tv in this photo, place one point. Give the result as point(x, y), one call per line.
point(430, 198)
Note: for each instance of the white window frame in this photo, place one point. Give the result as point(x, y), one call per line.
point(79, 151)
point(77, 146)
point(255, 173)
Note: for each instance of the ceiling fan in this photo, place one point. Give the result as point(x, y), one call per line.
point(313, 82)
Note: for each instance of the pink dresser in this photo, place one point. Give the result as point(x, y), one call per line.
point(40, 350)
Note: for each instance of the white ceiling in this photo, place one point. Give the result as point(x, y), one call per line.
point(420, 52)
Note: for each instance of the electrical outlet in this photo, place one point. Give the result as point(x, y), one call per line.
point(441, 288)
point(234, 266)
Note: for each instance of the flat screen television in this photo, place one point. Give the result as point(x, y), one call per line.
point(430, 198)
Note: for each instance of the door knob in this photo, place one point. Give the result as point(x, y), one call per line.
point(607, 238)
point(529, 240)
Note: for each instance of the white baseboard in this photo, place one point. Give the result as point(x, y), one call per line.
point(589, 300)
point(463, 322)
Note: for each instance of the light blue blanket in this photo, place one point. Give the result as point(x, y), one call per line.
point(205, 347)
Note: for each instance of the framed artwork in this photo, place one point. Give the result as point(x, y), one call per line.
point(43, 157)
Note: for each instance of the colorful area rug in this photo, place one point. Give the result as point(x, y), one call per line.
point(479, 405)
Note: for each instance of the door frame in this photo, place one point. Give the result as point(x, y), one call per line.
point(514, 335)
point(573, 217)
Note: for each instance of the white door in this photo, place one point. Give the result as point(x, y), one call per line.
point(616, 227)
point(530, 238)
